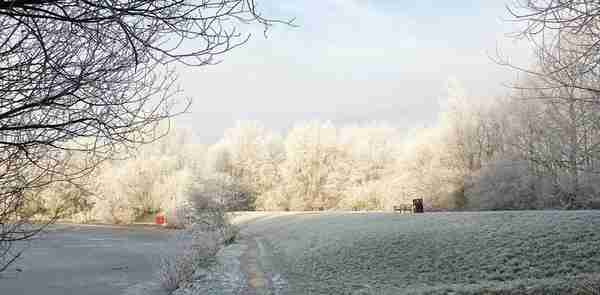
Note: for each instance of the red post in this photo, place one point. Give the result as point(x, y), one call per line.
point(160, 219)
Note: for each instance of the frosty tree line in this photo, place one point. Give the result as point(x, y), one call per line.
point(535, 148)
point(506, 153)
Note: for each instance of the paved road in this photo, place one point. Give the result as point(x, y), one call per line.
point(86, 260)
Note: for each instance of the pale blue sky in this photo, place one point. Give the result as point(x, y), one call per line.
point(354, 61)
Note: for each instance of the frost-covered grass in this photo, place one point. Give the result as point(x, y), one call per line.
point(532, 252)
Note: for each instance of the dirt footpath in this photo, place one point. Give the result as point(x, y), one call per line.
point(257, 261)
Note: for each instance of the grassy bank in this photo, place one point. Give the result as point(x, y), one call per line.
point(337, 253)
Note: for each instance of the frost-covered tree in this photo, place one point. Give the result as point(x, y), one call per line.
point(561, 142)
point(155, 179)
point(249, 154)
point(565, 38)
point(421, 173)
point(372, 147)
point(314, 166)
point(372, 151)
point(464, 143)
point(565, 34)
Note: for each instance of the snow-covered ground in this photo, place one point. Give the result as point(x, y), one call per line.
point(535, 252)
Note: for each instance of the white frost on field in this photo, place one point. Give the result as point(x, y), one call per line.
point(279, 284)
point(245, 217)
point(339, 253)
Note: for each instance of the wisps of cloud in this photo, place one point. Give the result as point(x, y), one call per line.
point(350, 60)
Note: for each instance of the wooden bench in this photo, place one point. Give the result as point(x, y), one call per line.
point(408, 208)
point(415, 207)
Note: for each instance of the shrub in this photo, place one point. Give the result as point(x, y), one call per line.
point(113, 208)
point(224, 190)
point(206, 228)
point(273, 200)
point(503, 185)
point(370, 196)
point(193, 249)
point(209, 212)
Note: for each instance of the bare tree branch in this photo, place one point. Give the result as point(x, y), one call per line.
point(94, 77)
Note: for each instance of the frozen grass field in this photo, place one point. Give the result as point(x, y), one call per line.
point(532, 252)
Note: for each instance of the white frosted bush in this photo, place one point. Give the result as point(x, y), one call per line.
point(207, 228)
point(194, 249)
point(273, 200)
point(503, 185)
point(174, 191)
point(113, 209)
point(111, 203)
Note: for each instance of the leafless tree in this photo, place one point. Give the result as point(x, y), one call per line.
point(566, 37)
point(93, 77)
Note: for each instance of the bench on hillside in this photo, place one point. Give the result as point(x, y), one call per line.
point(415, 207)
point(404, 208)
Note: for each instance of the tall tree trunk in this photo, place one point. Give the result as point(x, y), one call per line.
point(573, 169)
